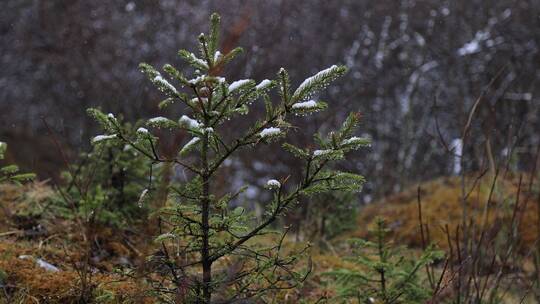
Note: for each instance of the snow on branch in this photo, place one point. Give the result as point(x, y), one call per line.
point(238, 84)
point(164, 85)
point(264, 84)
point(269, 132)
point(273, 184)
point(161, 122)
point(317, 82)
point(190, 145)
point(100, 138)
point(189, 123)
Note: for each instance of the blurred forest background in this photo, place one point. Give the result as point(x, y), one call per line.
point(416, 70)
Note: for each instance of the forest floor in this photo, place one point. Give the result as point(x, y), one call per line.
point(43, 260)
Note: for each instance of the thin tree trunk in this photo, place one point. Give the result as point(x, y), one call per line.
point(205, 250)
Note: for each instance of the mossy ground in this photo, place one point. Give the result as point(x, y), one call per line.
point(442, 209)
point(62, 243)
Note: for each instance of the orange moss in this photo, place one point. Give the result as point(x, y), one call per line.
point(442, 207)
point(64, 246)
point(50, 287)
point(26, 279)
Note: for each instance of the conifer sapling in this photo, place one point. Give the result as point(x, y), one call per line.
point(209, 249)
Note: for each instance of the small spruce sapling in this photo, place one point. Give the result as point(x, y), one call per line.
point(209, 250)
point(99, 191)
point(105, 182)
point(331, 220)
point(386, 274)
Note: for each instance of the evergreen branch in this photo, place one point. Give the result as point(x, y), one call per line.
point(280, 206)
point(214, 33)
point(245, 140)
point(205, 52)
point(199, 99)
point(317, 82)
point(155, 157)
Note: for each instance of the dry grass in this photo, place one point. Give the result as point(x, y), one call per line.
point(442, 207)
